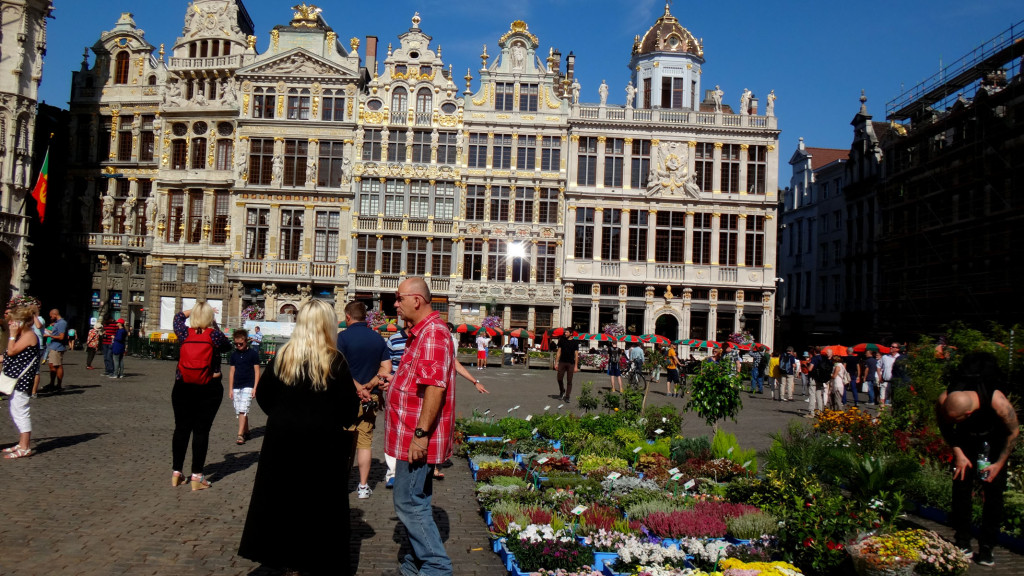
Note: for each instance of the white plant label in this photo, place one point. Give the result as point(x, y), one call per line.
point(542, 460)
point(506, 440)
point(748, 463)
point(637, 449)
point(535, 431)
point(689, 484)
point(510, 410)
point(730, 449)
point(664, 419)
point(560, 406)
point(614, 476)
point(676, 476)
point(515, 407)
point(658, 431)
point(548, 407)
point(529, 417)
point(674, 471)
point(597, 417)
point(486, 412)
point(579, 510)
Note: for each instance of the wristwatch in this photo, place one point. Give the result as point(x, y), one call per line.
point(420, 433)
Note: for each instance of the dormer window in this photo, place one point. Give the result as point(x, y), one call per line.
point(504, 94)
point(121, 68)
point(425, 70)
point(401, 69)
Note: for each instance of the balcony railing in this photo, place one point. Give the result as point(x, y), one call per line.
point(668, 272)
point(610, 269)
point(102, 241)
point(287, 270)
point(12, 224)
point(399, 118)
point(395, 224)
point(728, 274)
point(424, 118)
point(211, 62)
point(671, 116)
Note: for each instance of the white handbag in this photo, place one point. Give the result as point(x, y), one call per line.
point(7, 383)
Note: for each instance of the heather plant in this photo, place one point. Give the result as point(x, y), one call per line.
point(598, 517)
point(752, 525)
point(705, 553)
point(485, 474)
point(607, 540)
point(624, 485)
point(635, 552)
point(588, 463)
point(683, 449)
point(545, 546)
point(664, 505)
point(685, 523)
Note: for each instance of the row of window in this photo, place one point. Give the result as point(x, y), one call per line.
point(294, 166)
point(399, 149)
point(169, 273)
point(417, 199)
point(529, 152)
point(291, 231)
point(299, 104)
point(415, 256)
point(122, 191)
point(505, 204)
point(669, 228)
point(185, 216)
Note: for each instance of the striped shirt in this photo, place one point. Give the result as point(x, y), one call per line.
point(429, 360)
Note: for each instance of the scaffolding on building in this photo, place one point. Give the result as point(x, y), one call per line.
point(962, 78)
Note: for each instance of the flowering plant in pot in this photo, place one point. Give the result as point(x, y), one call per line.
point(549, 546)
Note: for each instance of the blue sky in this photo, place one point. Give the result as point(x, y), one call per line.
point(817, 56)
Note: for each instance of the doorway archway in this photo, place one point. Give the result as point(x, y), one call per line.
point(667, 325)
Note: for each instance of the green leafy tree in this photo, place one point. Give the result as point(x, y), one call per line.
point(714, 393)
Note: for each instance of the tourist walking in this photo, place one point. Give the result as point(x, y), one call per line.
point(789, 366)
point(57, 332)
point(367, 355)
point(775, 375)
point(298, 516)
point(869, 375)
point(980, 425)
point(852, 362)
point(110, 327)
point(756, 374)
point(243, 376)
point(615, 366)
point(567, 356)
point(117, 348)
point(420, 425)
point(886, 374)
point(820, 372)
point(481, 349)
point(92, 344)
point(21, 362)
point(837, 387)
point(672, 368)
point(198, 390)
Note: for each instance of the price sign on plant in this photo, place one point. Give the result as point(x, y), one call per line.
point(597, 417)
point(729, 452)
point(637, 449)
point(506, 440)
point(529, 417)
point(658, 431)
point(542, 460)
point(747, 463)
point(579, 510)
point(510, 410)
point(676, 476)
point(674, 471)
point(560, 406)
point(515, 407)
point(486, 412)
point(614, 476)
point(689, 484)
point(548, 407)
point(535, 431)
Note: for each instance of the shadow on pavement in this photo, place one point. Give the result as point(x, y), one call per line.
point(361, 530)
point(233, 462)
point(48, 444)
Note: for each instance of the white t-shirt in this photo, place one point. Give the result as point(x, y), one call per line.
point(482, 342)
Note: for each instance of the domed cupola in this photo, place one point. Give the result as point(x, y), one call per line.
point(666, 65)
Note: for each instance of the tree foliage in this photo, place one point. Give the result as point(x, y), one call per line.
point(715, 393)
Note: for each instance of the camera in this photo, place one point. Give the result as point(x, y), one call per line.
point(370, 405)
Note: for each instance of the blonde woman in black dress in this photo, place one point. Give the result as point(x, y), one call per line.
point(21, 361)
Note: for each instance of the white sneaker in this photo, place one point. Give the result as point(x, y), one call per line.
point(364, 492)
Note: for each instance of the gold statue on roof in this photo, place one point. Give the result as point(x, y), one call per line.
point(306, 15)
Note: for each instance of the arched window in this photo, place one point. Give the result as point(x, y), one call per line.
point(424, 101)
point(152, 80)
point(399, 100)
point(121, 68)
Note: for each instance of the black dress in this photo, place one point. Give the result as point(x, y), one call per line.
point(299, 513)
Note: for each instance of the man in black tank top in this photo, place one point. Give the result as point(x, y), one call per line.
point(971, 412)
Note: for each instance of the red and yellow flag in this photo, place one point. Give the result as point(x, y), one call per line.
point(39, 192)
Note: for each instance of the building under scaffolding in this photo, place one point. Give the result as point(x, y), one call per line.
point(949, 201)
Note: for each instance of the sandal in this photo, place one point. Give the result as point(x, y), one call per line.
point(10, 449)
point(438, 475)
point(19, 453)
point(240, 440)
point(199, 482)
point(177, 479)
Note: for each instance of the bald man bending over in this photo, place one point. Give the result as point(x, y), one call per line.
point(971, 412)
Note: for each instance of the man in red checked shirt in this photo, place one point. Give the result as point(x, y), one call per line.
point(419, 425)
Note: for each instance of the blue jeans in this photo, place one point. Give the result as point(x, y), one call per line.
point(756, 381)
point(871, 392)
point(108, 360)
point(118, 364)
point(413, 492)
point(853, 389)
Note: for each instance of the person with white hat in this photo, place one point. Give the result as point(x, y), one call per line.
point(92, 344)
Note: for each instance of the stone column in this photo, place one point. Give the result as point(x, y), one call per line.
point(570, 233)
point(652, 225)
point(771, 233)
point(648, 309)
point(768, 318)
point(627, 163)
point(567, 305)
point(712, 314)
point(598, 232)
point(744, 185)
point(595, 308)
point(599, 178)
point(687, 304)
point(716, 179)
point(533, 262)
point(688, 256)
point(741, 241)
point(622, 303)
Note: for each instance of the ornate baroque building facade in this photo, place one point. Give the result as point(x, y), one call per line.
point(22, 47)
point(308, 171)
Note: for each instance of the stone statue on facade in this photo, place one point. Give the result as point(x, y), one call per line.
point(151, 209)
point(769, 109)
point(603, 92)
point(716, 96)
point(241, 164)
point(229, 94)
point(199, 98)
point(173, 95)
point(518, 56)
point(346, 170)
point(630, 94)
point(107, 211)
point(311, 172)
point(277, 169)
point(670, 171)
point(745, 102)
point(576, 91)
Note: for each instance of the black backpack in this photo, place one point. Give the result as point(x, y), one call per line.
point(822, 369)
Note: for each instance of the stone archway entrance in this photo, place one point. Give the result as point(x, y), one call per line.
point(668, 326)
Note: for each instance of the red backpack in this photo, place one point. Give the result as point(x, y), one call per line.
point(195, 361)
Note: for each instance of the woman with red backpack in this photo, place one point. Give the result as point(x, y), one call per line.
point(198, 390)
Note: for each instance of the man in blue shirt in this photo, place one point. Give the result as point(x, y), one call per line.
point(367, 355)
point(57, 332)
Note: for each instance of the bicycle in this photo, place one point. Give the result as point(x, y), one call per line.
point(634, 377)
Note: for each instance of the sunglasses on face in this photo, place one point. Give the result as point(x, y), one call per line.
point(400, 295)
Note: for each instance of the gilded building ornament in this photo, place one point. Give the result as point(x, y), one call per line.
point(655, 142)
point(275, 37)
point(251, 41)
point(718, 145)
point(771, 147)
point(744, 146)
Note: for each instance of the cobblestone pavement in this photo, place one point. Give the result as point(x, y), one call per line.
point(96, 498)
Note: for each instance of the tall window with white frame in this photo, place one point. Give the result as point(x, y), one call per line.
point(296, 153)
point(528, 97)
point(441, 257)
point(586, 162)
point(298, 104)
point(526, 153)
point(636, 248)
point(754, 249)
point(371, 145)
point(399, 106)
point(730, 168)
point(757, 168)
point(446, 147)
point(614, 156)
point(419, 199)
point(263, 102)
point(326, 235)
point(551, 154)
point(584, 233)
point(333, 107)
point(671, 245)
point(499, 203)
point(477, 150)
point(504, 94)
point(728, 239)
point(475, 202)
point(291, 233)
point(497, 254)
point(473, 259)
point(369, 197)
point(225, 154)
point(424, 106)
point(394, 198)
point(547, 206)
point(444, 200)
point(524, 205)
point(332, 162)
point(702, 238)
point(640, 160)
point(421, 147)
point(257, 230)
point(611, 234)
point(704, 166)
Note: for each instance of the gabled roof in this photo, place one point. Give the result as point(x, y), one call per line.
point(823, 156)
